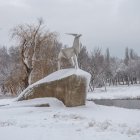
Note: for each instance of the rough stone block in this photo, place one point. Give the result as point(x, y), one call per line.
point(68, 85)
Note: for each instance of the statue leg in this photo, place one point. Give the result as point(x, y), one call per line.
point(59, 60)
point(58, 64)
point(72, 61)
point(76, 62)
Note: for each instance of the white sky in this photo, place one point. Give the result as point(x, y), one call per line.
point(103, 23)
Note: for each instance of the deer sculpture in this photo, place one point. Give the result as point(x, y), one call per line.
point(71, 53)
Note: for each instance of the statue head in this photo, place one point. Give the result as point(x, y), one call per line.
point(78, 35)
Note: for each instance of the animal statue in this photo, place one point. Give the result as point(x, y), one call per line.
point(71, 53)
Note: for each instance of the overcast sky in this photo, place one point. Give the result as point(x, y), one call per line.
point(113, 24)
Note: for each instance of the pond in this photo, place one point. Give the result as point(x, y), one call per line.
point(125, 103)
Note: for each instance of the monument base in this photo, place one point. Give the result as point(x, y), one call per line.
point(68, 85)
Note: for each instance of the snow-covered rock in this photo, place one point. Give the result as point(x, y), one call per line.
point(68, 85)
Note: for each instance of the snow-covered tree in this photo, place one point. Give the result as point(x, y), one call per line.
point(33, 41)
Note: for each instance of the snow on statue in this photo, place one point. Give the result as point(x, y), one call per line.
point(71, 53)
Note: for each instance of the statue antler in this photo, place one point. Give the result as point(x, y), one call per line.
point(73, 34)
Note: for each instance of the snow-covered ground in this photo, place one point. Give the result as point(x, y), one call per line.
point(23, 121)
point(116, 92)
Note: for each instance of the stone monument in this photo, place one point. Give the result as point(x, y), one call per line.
point(68, 85)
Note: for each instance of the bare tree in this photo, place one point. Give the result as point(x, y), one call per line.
point(32, 39)
point(126, 59)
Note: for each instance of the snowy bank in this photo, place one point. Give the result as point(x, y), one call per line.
point(38, 102)
point(116, 92)
point(59, 122)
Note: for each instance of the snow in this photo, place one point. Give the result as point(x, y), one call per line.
point(22, 120)
point(8, 103)
point(60, 74)
point(116, 92)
